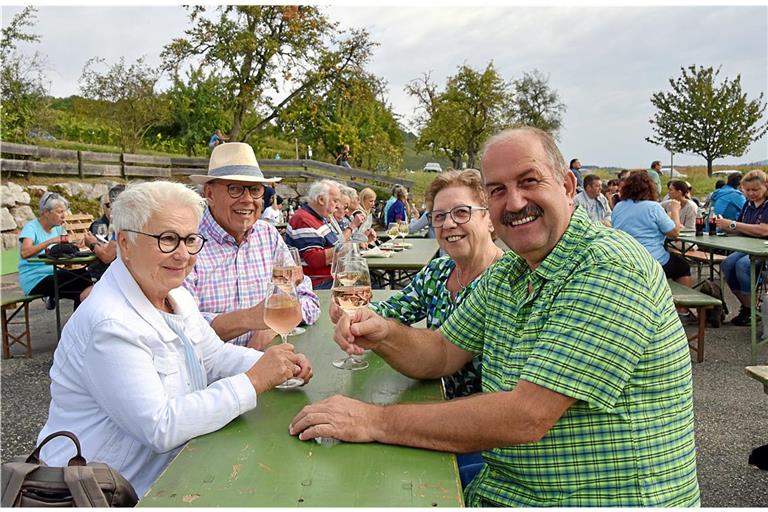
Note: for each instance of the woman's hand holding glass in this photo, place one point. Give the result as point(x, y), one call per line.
point(282, 312)
point(278, 364)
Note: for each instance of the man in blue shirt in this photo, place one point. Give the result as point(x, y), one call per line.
point(728, 200)
point(575, 166)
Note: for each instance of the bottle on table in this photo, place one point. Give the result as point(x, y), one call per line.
point(712, 222)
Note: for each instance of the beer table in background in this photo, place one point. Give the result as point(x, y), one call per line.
point(408, 260)
point(254, 462)
point(68, 263)
point(757, 249)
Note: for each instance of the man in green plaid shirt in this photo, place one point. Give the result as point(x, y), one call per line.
point(586, 376)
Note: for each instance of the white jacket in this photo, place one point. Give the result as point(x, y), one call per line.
point(119, 381)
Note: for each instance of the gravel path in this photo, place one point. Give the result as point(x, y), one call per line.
point(731, 409)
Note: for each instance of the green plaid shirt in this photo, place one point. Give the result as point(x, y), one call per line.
point(601, 327)
point(426, 296)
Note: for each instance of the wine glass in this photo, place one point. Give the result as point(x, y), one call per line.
point(102, 230)
point(282, 313)
point(403, 229)
point(392, 231)
point(351, 290)
point(298, 278)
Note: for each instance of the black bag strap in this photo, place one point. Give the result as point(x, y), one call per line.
point(84, 488)
point(77, 460)
point(14, 474)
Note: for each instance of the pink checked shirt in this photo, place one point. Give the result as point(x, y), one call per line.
point(228, 277)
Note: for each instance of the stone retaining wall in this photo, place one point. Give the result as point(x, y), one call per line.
point(16, 210)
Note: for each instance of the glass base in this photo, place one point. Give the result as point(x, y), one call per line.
point(293, 382)
point(350, 363)
point(297, 331)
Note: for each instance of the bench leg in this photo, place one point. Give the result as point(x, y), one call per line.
point(702, 313)
point(12, 339)
point(6, 342)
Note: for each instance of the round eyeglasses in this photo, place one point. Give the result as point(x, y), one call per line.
point(460, 215)
point(168, 241)
point(235, 191)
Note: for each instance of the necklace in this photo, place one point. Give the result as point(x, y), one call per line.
point(458, 271)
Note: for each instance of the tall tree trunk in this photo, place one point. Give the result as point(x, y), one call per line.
point(709, 166)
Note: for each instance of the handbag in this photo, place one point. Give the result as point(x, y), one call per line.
point(62, 251)
point(30, 483)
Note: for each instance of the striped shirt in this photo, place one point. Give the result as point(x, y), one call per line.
point(228, 277)
point(599, 326)
point(311, 234)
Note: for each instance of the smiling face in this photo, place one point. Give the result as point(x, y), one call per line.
point(156, 272)
point(235, 216)
point(462, 241)
point(529, 208)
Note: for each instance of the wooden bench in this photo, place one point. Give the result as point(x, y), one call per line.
point(16, 303)
point(690, 298)
point(77, 225)
point(701, 258)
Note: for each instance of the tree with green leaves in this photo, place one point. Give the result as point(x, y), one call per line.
point(535, 104)
point(350, 110)
point(126, 97)
point(24, 103)
point(266, 55)
point(708, 119)
point(196, 109)
point(456, 121)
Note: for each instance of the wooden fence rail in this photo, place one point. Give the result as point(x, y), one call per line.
point(36, 160)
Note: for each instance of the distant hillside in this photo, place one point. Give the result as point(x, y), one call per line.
point(412, 160)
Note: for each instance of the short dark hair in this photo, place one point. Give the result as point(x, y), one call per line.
point(589, 178)
point(623, 174)
point(570, 166)
point(734, 179)
point(719, 184)
point(655, 163)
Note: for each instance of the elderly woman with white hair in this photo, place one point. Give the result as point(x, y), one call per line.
point(36, 278)
point(138, 371)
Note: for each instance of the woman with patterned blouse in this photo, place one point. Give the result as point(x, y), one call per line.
point(457, 202)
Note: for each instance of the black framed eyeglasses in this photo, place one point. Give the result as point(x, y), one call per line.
point(235, 191)
point(460, 215)
point(168, 241)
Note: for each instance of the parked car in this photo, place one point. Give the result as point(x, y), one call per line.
point(433, 167)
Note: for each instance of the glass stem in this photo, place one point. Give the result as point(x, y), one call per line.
point(284, 337)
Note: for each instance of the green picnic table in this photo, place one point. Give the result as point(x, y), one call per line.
point(412, 259)
point(254, 462)
point(757, 249)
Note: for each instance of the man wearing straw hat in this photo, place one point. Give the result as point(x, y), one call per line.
point(233, 271)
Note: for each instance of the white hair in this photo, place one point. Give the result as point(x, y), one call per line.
point(349, 192)
point(52, 200)
point(321, 188)
point(135, 206)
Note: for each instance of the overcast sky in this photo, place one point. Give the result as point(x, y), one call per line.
point(605, 62)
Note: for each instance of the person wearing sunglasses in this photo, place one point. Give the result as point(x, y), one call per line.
point(138, 371)
point(233, 272)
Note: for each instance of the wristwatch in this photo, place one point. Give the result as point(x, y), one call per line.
point(732, 226)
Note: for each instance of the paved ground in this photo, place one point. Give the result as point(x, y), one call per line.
point(731, 409)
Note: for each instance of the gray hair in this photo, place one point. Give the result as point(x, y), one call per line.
point(51, 200)
point(135, 206)
point(556, 160)
point(321, 188)
point(349, 192)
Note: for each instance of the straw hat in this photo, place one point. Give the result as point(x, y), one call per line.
point(234, 161)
